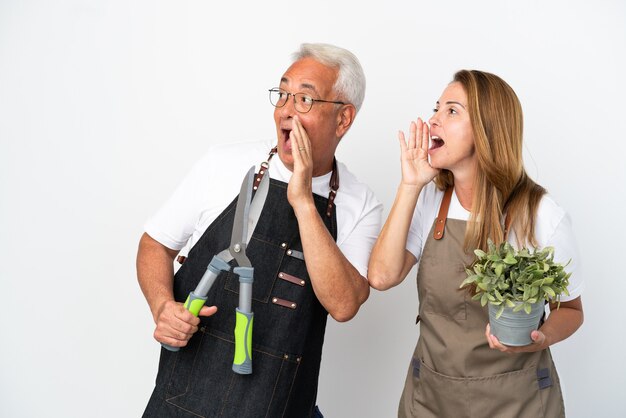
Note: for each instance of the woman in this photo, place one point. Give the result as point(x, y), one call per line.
point(458, 368)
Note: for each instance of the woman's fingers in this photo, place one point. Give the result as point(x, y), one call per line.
point(425, 136)
point(402, 141)
point(413, 135)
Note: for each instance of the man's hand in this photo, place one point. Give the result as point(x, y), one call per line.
point(175, 325)
point(339, 287)
point(299, 191)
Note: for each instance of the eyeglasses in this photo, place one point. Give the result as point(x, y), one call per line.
point(302, 102)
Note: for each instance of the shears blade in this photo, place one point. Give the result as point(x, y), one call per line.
point(239, 237)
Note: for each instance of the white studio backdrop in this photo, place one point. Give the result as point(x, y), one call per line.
point(105, 106)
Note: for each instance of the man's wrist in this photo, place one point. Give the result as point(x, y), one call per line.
point(159, 306)
point(305, 209)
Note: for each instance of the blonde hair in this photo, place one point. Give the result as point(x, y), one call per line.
point(501, 184)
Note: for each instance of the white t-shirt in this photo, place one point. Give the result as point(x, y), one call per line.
point(553, 227)
point(216, 179)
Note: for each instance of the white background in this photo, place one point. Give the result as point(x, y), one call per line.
point(105, 105)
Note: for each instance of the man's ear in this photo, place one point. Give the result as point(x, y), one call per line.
point(345, 117)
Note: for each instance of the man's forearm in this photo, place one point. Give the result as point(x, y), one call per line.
point(337, 284)
point(155, 272)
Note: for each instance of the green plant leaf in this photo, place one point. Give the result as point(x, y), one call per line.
point(502, 275)
point(480, 253)
point(548, 291)
point(471, 279)
point(510, 259)
point(498, 269)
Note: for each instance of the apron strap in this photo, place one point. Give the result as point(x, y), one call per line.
point(443, 214)
point(334, 186)
point(263, 169)
point(334, 180)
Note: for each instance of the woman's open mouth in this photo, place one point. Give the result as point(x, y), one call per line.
point(436, 142)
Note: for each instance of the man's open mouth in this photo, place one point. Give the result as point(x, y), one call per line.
point(285, 133)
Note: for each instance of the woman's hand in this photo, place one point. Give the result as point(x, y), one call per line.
point(538, 343)
point(416, 170)
point(564, 319)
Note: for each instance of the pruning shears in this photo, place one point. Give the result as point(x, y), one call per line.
point(247, 214)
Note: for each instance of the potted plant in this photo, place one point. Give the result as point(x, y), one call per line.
point(516, 284)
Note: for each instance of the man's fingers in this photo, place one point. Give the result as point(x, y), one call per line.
point(176, 325)
point(207, 311)
point(170, 340)
point(175, 332)
point(302, 140)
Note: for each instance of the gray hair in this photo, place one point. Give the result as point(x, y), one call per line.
point(350, 83)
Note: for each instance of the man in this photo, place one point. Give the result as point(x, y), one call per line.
point(309, 254)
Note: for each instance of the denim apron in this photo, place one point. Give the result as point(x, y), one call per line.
point(453, 372)
point(288, 332)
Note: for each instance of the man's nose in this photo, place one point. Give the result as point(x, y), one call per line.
point(289, 109)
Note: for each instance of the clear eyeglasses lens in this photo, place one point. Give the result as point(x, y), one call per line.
point(303, 103)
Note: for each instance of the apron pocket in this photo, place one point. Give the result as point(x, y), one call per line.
point(442, 296)
point(204, 384)
point(512, 394)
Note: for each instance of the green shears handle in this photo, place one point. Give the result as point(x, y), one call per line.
point(242, 364)
point(196, 299)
